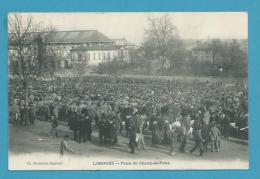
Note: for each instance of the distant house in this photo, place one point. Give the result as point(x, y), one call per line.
point(202, 52)
point(124, 43)
point(126, 46)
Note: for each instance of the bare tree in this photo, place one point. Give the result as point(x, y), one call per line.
point(228, 57)
point(160, 35)
point(25, 55)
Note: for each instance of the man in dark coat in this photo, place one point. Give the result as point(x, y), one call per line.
point(74, 125)
point(54, 125)
point(107, 130)
point(114, 125)
point(87, 123)
point(101, 126)
point(32, 114)
point(205, 132)
point(82, 128)
point(132, 133)
point(155, 133)
point(22, 114)
point(69, 115)
point(226, 126)
point(198, 142)
point(88, 128)
point(183, 132)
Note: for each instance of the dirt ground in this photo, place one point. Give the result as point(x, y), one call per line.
point(34, 140)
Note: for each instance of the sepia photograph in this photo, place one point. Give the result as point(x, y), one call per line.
point(128, 91)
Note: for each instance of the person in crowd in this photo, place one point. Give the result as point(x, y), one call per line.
point(32, 113)
point(54, 125)
point(82, 127)
point(215, 138)
point(205, 132)
point(226, 126)
point(132, 133)
point(88, 127)
point(155, 133)
point(173, 139)
point(198, 142)
point(101, 127)
point(183, 132)
point(22, 114)
point(140, 131)
point(74, 123)
point(166, 138)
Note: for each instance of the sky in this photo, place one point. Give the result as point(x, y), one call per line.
point(131, 25)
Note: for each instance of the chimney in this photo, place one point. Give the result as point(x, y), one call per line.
point(198, 43)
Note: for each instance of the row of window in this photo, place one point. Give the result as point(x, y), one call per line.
point(96, 56)
point(197, 53)
point(204, 57)
point(93, 56)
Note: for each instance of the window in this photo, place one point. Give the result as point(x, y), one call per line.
point(80, 57)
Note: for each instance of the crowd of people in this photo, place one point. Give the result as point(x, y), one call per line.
point(170, 111)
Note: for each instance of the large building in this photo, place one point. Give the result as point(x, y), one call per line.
point(90, 45)
point(74, 46)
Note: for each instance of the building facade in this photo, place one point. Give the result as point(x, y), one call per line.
point(95, 55)
point(202, 52)
point(68, 45)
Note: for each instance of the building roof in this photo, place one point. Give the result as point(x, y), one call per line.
point(96, 48)
point(79, 36)
point(123, 42)
point(202, 47)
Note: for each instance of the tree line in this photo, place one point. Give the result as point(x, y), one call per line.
point(163, 52)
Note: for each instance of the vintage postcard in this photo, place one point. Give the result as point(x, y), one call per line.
point(128, 91)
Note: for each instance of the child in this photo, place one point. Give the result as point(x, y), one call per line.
point(64, 145)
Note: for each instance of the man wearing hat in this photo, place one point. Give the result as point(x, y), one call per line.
point(74, 124)
point(132, 132)
point(140, 130)
point(183, 132)
point(198, 142)
point(215, 137)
